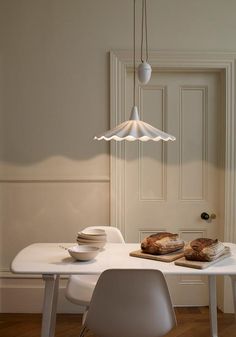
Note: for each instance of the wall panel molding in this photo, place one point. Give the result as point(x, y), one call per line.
point(57, 180)
point(190, 234)
point(143, 233)
point(202, 176)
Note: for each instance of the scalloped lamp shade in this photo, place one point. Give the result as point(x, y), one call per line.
point(135, 129)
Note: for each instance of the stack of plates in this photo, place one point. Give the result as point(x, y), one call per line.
point(92, 237)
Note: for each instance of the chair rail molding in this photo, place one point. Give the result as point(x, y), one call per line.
point(224, 62)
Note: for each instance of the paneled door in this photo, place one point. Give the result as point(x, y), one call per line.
point(169, 185)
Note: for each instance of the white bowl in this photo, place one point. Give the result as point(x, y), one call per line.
point(83, 252)
point(84, 236)
point(98, 244)
point(95, 231)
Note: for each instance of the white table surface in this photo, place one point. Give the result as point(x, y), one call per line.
point(51, 261)
point(49, 258)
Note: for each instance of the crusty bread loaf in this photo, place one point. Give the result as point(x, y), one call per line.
point(204, 249)
point(161, 243)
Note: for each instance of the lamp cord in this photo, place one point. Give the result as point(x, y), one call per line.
point(144, 28)
point(134, 37)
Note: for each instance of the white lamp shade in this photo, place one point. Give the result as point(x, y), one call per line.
point(135, 129)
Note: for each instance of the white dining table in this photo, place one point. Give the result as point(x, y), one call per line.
point(51, 261)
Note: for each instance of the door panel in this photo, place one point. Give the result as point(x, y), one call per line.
point(168, 185)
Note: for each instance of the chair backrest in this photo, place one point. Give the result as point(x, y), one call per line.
point(131, 303)
point(113, 234)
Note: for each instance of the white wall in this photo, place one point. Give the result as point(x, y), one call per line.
point(54, 97)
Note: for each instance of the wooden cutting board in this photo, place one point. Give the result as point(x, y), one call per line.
point(164, 258)
point(200, 264)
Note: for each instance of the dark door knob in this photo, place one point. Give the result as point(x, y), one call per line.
point(205, 216)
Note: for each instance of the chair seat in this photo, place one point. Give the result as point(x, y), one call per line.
point(80, 288)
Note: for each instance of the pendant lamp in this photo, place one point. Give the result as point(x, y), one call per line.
point(134, 128)
point(144, 69)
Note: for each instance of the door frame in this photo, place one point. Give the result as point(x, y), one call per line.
point(120, 63)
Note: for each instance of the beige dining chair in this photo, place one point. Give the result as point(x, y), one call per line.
point(130, 303)
point(80, 287)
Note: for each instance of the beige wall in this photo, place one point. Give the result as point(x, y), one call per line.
point(54, 97)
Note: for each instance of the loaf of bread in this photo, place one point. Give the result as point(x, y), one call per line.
point(161, 243)
point(204, 249)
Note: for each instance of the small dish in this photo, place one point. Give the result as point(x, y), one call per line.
point(95, 231)
point(90, 237)
point(92, 243)
point(83, 252)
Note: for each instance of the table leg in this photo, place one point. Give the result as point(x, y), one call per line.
point(233, 280)
point(213, 305)
point(49, 305)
